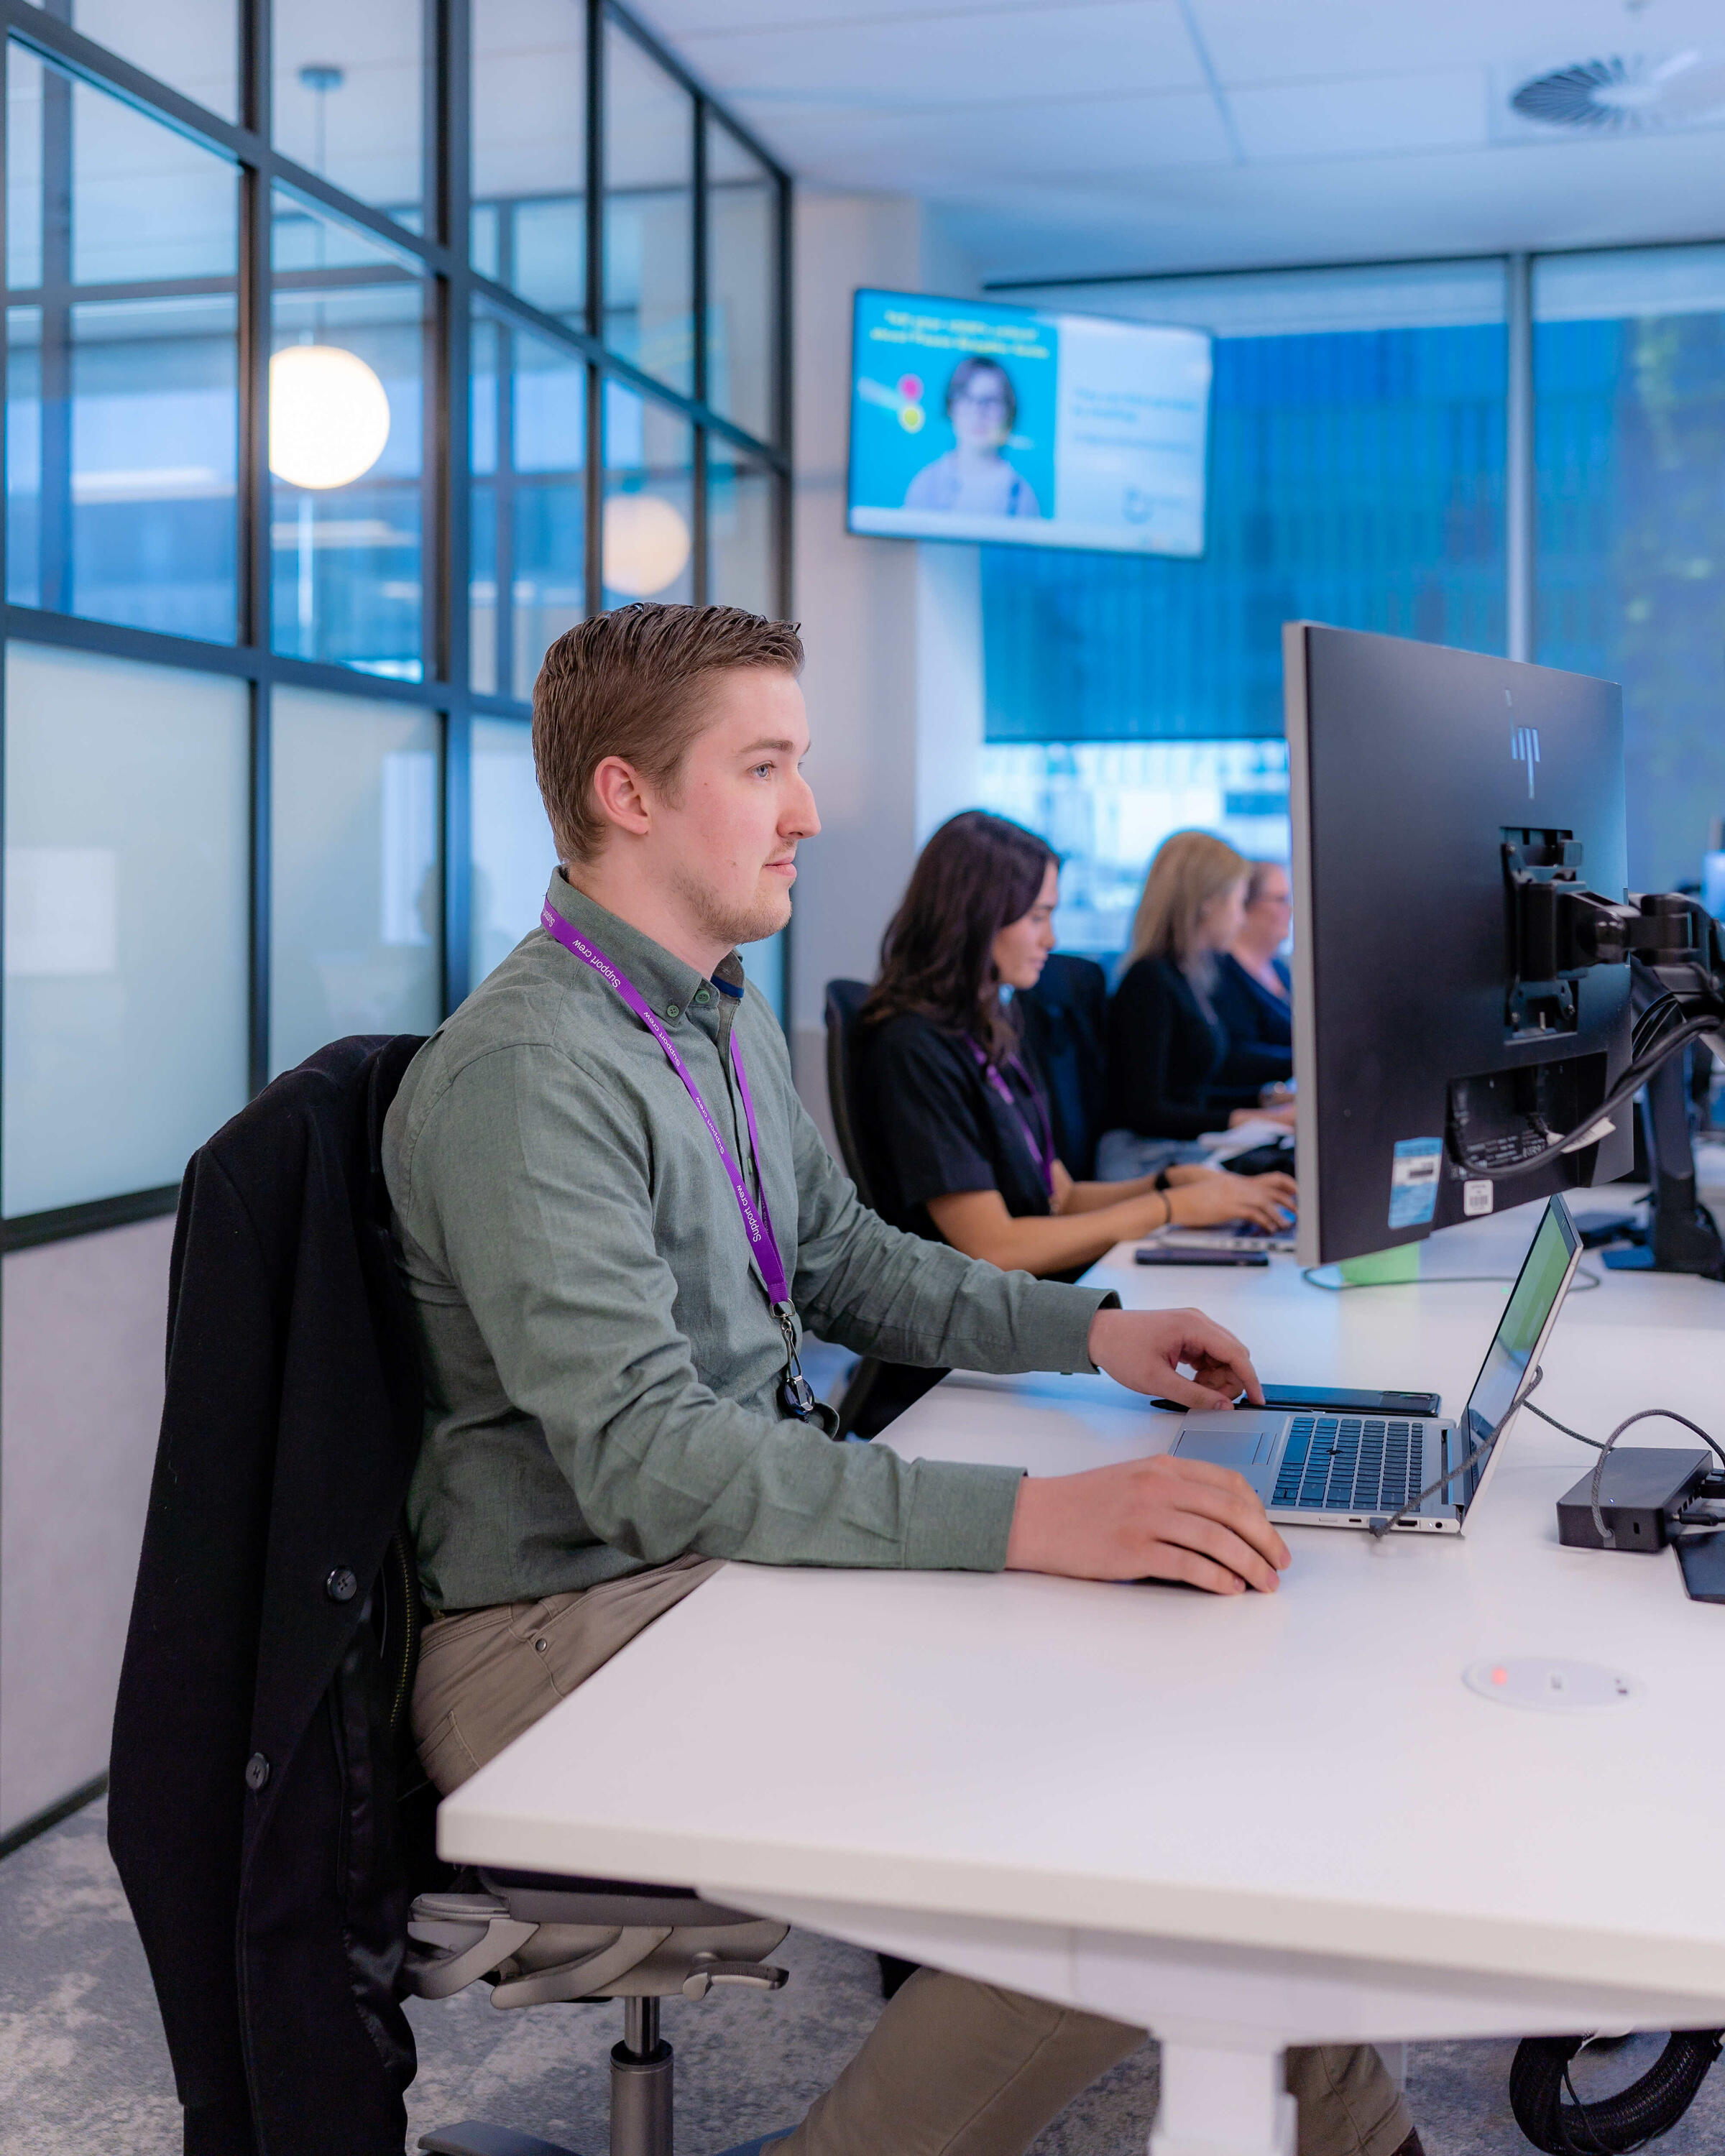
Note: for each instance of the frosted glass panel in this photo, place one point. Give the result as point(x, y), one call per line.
point(356, 872)
point(127, 790)
point(513, 850)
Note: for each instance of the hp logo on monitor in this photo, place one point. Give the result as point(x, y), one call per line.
point(1524, 748)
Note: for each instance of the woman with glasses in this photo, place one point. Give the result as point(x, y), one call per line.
point(1175, 1070)
point(974, 478)
point(1252, 994)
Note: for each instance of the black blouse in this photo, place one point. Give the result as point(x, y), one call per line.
point(931, 1125)
point(1170, 1074)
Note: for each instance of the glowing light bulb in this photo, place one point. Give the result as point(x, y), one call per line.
point(329, 417)
point(646, 544)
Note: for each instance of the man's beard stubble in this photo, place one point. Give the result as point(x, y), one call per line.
point(733, 925)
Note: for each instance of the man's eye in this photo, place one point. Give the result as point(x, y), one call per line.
point(764, 768)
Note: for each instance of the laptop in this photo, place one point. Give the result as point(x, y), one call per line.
point(1342, 1471)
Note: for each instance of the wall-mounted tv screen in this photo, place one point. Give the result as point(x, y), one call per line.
point(973, 421)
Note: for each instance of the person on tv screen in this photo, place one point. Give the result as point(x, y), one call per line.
point(973, 478)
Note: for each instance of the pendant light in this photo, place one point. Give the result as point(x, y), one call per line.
point(329, 413)
point(646, 544)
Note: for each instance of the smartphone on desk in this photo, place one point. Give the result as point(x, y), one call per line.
point(1339, 1400)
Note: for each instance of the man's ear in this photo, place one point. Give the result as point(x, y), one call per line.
point(620, 796)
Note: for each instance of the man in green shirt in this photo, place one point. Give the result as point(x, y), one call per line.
point(615, 1217)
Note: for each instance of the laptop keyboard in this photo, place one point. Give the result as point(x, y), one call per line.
point(1349, 1463)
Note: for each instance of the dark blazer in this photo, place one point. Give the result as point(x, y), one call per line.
point(1257, 1022)
point(1170, 1071)
point(252, 1797)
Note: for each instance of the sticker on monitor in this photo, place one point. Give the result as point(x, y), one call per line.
point(1414, 1181)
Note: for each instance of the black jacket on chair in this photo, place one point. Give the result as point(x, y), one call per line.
point(251, 1788)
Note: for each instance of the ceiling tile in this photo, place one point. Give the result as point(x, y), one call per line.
point(1474, 202)
point(1369, 115)
point(971, 148)
point(1259, 41)
point(942, 59)
point(677, 21)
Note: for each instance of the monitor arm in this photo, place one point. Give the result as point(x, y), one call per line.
point(1560, 929)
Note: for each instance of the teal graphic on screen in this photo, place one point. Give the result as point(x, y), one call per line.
point(970, 420)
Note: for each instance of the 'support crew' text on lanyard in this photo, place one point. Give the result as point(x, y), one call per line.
point(795, 1392)
point(1040, 1141)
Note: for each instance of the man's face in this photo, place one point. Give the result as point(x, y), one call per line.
point(726, 833)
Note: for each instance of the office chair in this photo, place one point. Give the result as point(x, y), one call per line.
point(542, 1940)
point(1065, 1018)
point(845, 1000)
point(545, 1941)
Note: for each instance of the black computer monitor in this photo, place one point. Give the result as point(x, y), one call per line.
point(1424, 783)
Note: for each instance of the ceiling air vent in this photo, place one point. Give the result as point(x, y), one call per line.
point(1630, 95)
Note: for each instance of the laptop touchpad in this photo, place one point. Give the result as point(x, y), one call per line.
point(1227, 1448)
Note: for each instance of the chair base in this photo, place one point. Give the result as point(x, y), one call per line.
point(641, 2067)
point(472, 2137)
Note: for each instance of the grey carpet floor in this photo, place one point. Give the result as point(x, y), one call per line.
point(83, 2071)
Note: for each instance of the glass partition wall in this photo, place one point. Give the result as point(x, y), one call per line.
point(352, 355)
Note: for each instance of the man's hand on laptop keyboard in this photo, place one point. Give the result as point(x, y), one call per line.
point(1161, 1519)
point(1143, 1349)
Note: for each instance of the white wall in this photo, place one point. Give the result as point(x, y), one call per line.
point(80, 1406)
point(893, 628)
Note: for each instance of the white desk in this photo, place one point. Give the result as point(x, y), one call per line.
point(1242, 1823)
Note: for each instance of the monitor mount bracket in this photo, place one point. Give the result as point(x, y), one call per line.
point(1559, 931)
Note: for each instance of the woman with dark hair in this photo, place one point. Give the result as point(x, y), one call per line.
point(953, 1116)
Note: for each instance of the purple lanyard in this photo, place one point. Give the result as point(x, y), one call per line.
point(756, 1220)
point(1040, 1141)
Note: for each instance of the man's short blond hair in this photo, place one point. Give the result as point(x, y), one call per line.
point(629, 683)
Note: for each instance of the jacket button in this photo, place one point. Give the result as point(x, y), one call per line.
point(257, 1771)
point(341, 1586)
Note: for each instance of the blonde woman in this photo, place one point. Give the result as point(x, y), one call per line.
point(1174, 1071)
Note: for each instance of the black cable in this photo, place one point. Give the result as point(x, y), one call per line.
point(1602, 1447)
point(1639, 1070)
point(1608, 1536)
point(1596, 1444)
point(1614, 2125)
point(1381, 1527)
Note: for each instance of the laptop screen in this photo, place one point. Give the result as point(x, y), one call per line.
point(1532, 1301)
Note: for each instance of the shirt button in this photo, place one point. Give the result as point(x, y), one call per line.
point(257, 1772)
point(542, 1646)
point(703, 995)
point(672, 1010)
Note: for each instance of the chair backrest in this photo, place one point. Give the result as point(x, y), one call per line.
point(1067, 1024)
point(844, 1010)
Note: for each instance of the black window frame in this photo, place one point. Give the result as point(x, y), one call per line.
point(455, 287)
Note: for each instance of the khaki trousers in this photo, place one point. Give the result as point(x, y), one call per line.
point(953, 2067)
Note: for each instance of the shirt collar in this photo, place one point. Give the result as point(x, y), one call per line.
point(669, 984)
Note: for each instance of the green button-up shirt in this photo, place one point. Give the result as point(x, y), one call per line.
point(601, 1358)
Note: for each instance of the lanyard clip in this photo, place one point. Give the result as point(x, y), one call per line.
point(796, 1395)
